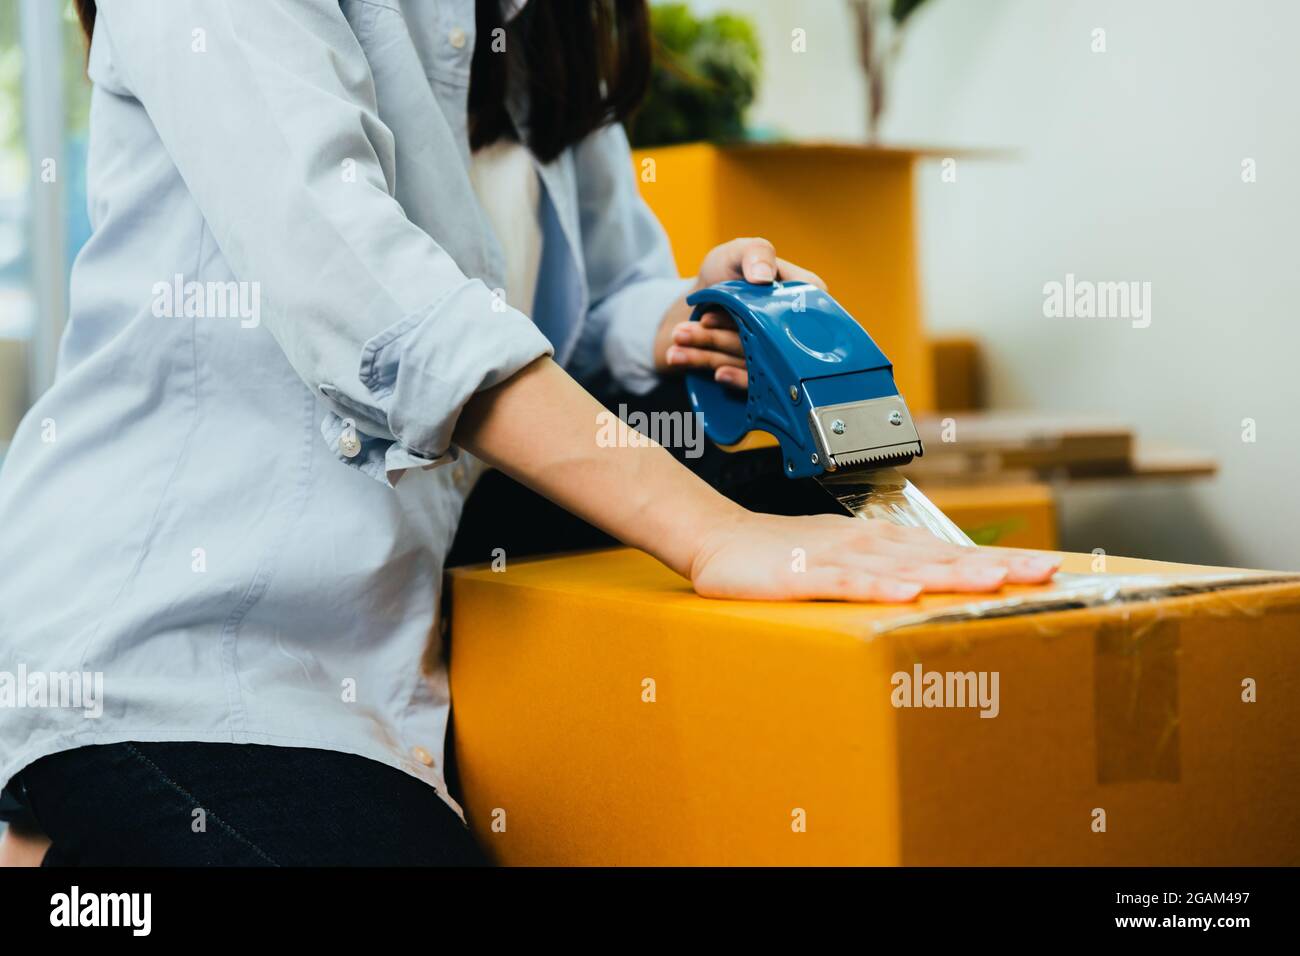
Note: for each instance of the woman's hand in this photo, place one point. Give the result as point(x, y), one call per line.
point(713, 342)
point(838, 558)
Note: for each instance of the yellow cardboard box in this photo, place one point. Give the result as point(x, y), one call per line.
point(604, 714)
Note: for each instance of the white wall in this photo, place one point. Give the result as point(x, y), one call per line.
point(1127, 166)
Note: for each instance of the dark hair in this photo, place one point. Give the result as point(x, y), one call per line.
point(86, 13)
point(583, 63)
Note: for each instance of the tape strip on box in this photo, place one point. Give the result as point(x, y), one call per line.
point(1136, 708)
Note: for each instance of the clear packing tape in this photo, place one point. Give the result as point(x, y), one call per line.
point(1072, 592)
point(885, 494)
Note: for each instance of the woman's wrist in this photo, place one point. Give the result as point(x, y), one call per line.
point(725, 524)
point(668, 511)
point(688, 525)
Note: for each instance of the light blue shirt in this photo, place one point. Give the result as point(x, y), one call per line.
point(233, 506)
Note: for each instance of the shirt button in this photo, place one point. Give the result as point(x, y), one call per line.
point(350, 445)
point(422, 755)
point(457, 38)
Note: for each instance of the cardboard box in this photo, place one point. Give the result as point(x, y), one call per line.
point(1015, 440)
point(604, 714)
point(958, 373)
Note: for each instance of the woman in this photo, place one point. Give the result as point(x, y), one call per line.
point(345, 252)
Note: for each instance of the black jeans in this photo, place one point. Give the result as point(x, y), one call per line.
point(201, 804)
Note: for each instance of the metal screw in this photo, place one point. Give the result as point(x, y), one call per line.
point(895, 418)
point(794, 394)
point(837, 426)
point(815, 459)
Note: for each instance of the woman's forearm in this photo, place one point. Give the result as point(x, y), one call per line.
point(544, 430)
point(541, 428)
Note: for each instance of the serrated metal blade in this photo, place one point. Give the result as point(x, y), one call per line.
point(880, 457)
point(874, 431)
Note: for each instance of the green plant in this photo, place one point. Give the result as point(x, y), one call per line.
point(902, 9)
point(988, 534)
point(705, 75)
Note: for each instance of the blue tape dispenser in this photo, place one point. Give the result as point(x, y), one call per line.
point(825, 391)
point(817, 382)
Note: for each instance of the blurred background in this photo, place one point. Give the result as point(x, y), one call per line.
point(941, 163)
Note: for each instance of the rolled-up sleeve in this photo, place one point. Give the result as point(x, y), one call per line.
point(631, 277)
point(268, 111)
